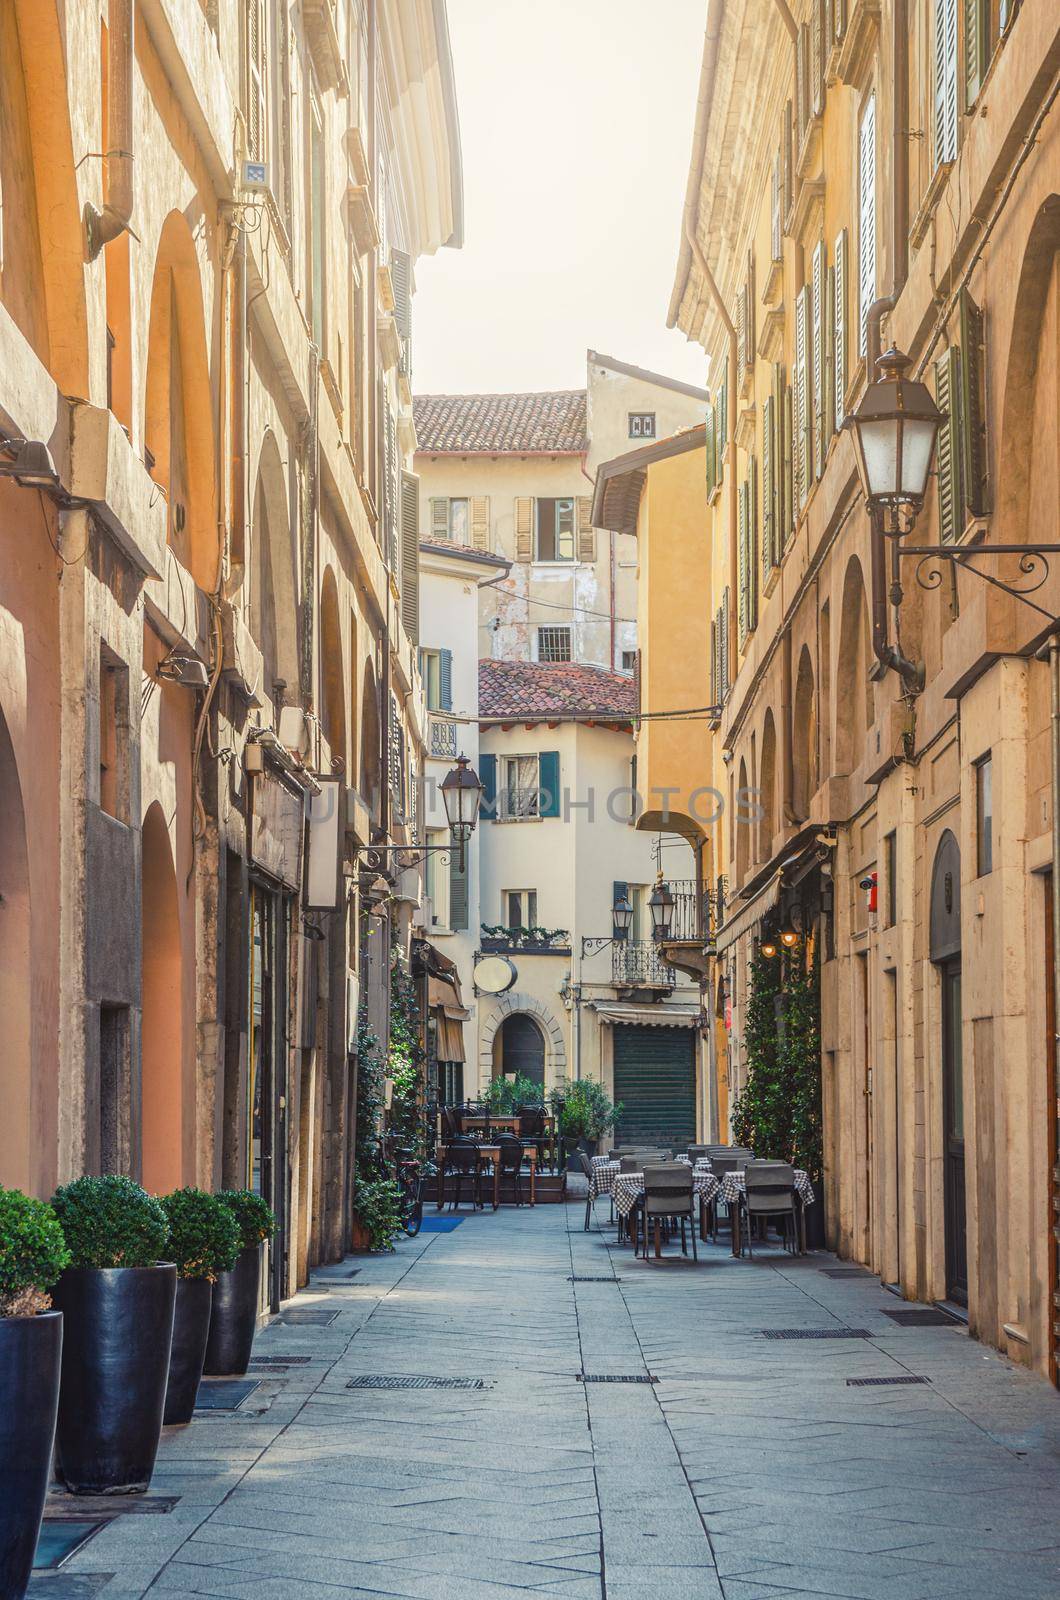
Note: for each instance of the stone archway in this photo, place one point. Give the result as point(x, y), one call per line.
point(511, 1005)
point(162, 1068)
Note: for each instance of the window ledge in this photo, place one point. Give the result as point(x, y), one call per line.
point(923, 218)
point(771, 582)
point(773, 288)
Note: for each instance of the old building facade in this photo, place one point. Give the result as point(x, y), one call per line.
point(895, 179)
point(208, 681)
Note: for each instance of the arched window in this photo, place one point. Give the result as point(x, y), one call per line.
point(332, 670)
point(273, 582)
point(370, 786)
point(767, 784)
point(804, 738)
point(854, 703)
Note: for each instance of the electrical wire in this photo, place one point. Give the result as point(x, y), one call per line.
point(554, 605)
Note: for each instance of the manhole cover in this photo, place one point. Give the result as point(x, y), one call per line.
point(922, 1319)
point(303, 1319)
point(616, 1377)
point(224, 1394)
point(846, 1272)
point(816, 1333)
point(413, 1381)
point(881, 1383)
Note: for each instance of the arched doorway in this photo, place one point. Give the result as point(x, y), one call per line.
point(161, 1073)
point(945, 935)
point(522, 1048)
point(273, 579)
point(15, 989)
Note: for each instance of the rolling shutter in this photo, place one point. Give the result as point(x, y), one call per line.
point(866, 219)
point(586, 531)
point(480, 521)
point(549, 796)
point(840, 329)
point(410, 555)
point(948, 397)
point(524, 528)
point(655, 1084)
point(487, 776)
point(945, 81)
point(973, 411)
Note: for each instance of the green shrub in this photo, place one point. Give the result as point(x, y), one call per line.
point(111, 1222)
point(377, 1202)
point(254, 1216)
point(586, 1111)
point(32, 1254)
point(505, 1095)
point(204, 1236)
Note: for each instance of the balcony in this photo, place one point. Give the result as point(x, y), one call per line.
point(638, 964)
point(691, 930)
point(441, 739)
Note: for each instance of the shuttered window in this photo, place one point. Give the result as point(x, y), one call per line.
point(710, 442)
point(776, 227)
point(817, 298)
point(976, 47)
point(439, 516)
point(948, 398)
point(257, 47)
point(839, 19)
point(586, 531)
point(769, 484)
point(866, 218)
point(817, 54)
point(524, 528)
point(744, 564)
point(787, 479)
point(480, 521)
point(802, 416)
point(945, 81)
point(828, 344)
point(973, 406)
point(410, 555)
point(723, 424)
point(840, 328)
point(457, 891)
point(401, 277)
point(787, 193)
point(726, 613)
point(802, 83)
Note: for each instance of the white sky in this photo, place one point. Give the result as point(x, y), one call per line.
point(576, 123)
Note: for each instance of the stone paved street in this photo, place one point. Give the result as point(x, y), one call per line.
point(749, 1470)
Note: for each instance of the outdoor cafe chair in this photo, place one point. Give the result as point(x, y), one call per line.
point(668, 1197)
point(578, 1161)
point(729, 1159)
point(510, 1162)
point(461, 1161)
point(532, 1129)
point(769, 1195)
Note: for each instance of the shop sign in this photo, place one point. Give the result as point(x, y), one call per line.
point(326, 836)
point(277, 825)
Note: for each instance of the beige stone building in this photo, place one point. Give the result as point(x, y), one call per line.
point(209, 697)
point(895, 178)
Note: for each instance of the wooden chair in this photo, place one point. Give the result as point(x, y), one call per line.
point(668, 1197)
point(461, 1160)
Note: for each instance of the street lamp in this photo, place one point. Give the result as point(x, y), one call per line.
point(461, 797)
point(661, 906)
point(895, 428)
point(621, 918)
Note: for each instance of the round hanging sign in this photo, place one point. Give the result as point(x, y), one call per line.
point(494, 974)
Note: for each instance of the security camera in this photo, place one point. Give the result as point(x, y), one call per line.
point(867, 883)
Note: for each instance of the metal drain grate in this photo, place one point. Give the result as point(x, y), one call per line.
point(616, 1377)
point(606, 1277)
point(922, 1319)
point(412, 1381)
point(815, 1333)
point(846, 1272)
point(224, 1394)
point(303, 1319)
point(881, 1383)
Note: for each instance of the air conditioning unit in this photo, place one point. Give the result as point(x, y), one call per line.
point(293, 730)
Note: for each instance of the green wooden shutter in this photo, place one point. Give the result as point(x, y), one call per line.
point(752, 543)
point(817, 292)
point(715, 676)
point(973, 417)
point(487, 776)
point(445, 680)
point(976, 48)
point(710, 440)
point(946, 71)
point(948, 396)
point(548, 784)
point(787, 459)
point(655, 1084)
point(840, 328)
point(457, 891)
point(742, 562)
point(410, 555)
point(803, 412)
point(769, 518)
point(726, 623)
point(723, 423)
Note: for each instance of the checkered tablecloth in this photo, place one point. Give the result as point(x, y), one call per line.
point(733, 1185)
point(627, 1188)
point(603, 1176)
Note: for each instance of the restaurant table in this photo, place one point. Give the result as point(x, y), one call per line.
point(492, 1154)
point(497, 1124)
point(627, 1188)
point(732, 1189)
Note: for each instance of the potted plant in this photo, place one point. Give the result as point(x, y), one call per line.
point(234, 1315)
point(586, 1115)
point(117, 1299)
point(32, 1255)
point(204, 1240)
point(377, 1214)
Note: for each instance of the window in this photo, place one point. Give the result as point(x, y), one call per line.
point(520, 786)
point(437, 879)
point(316, 201)
point(945, 81)
point(866, 218)
point(890, 880)
point(436, 670)
point(629, 660)
point(113, 734)
point(642, 424)
point(984, 816)
point(520, 908)
point(459, 521)
point(553, 644)
point(555, 529)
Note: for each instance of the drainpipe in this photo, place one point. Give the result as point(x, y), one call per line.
point(103, 226)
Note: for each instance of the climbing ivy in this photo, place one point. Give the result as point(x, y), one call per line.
point(778, 1112)
point(406, 1064)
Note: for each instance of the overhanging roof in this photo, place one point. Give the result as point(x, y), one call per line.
point(620, 481)
point(666, 1015)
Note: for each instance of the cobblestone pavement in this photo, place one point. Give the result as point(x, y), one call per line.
point(750, 1469)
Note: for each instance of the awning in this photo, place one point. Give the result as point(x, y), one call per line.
point(663, 1016)
point(744, 917)
point(450, 1014)
point(450, 1036)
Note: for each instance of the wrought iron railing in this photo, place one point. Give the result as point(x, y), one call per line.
point(691, 920)
point(638, 963)
point(442, 740)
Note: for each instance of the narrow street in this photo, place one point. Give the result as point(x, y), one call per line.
point(749, 1469)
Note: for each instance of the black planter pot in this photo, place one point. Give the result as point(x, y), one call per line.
point(191, 1328)
point(815, 1239)
point(118, 1331)
point(30, 1361)
point(234, 1319)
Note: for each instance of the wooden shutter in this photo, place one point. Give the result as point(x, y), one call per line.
point(866, 218)
point(802, 83)
point(410, 555)
point(828, 342)
point(752, 543)
point(839, 19)
point(948, 397)
point(973, 412)
point(401, 277)
point(457, 891)
point(741, 336)
point(742, 565)
point(787, 480)
point(715, 693)
point(257, 48)
point(445, 680)
point(976, 47)
point(524, 528)
point(549, 796)
point(390, 487)
point(840, 328)
point(787, 193)
point(802, 413)
point(487, 776)
point(817, 292)
point(945, 81)
point(817, 52)
point(776, 221)
point(710, 441)
point(439, 516)
point(586, 531)
point(723, 424)
point(769, 510)
point(750, 321)
point(726, 614)
point(480, 521)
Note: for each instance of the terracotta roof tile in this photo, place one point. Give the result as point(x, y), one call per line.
point(502, 424)
point(523, 689)
point(455, 548)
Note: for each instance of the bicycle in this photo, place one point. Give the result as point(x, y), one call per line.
point(410, 1179)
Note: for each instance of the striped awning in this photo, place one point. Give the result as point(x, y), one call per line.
point(741, 919)
point(662, 1016)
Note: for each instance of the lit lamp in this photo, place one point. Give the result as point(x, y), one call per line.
point(789, 938)
point(768, 948)
point(661, 906)
point(31, 466)
point(895, 428)
point(621, 918)
point(461, 797)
